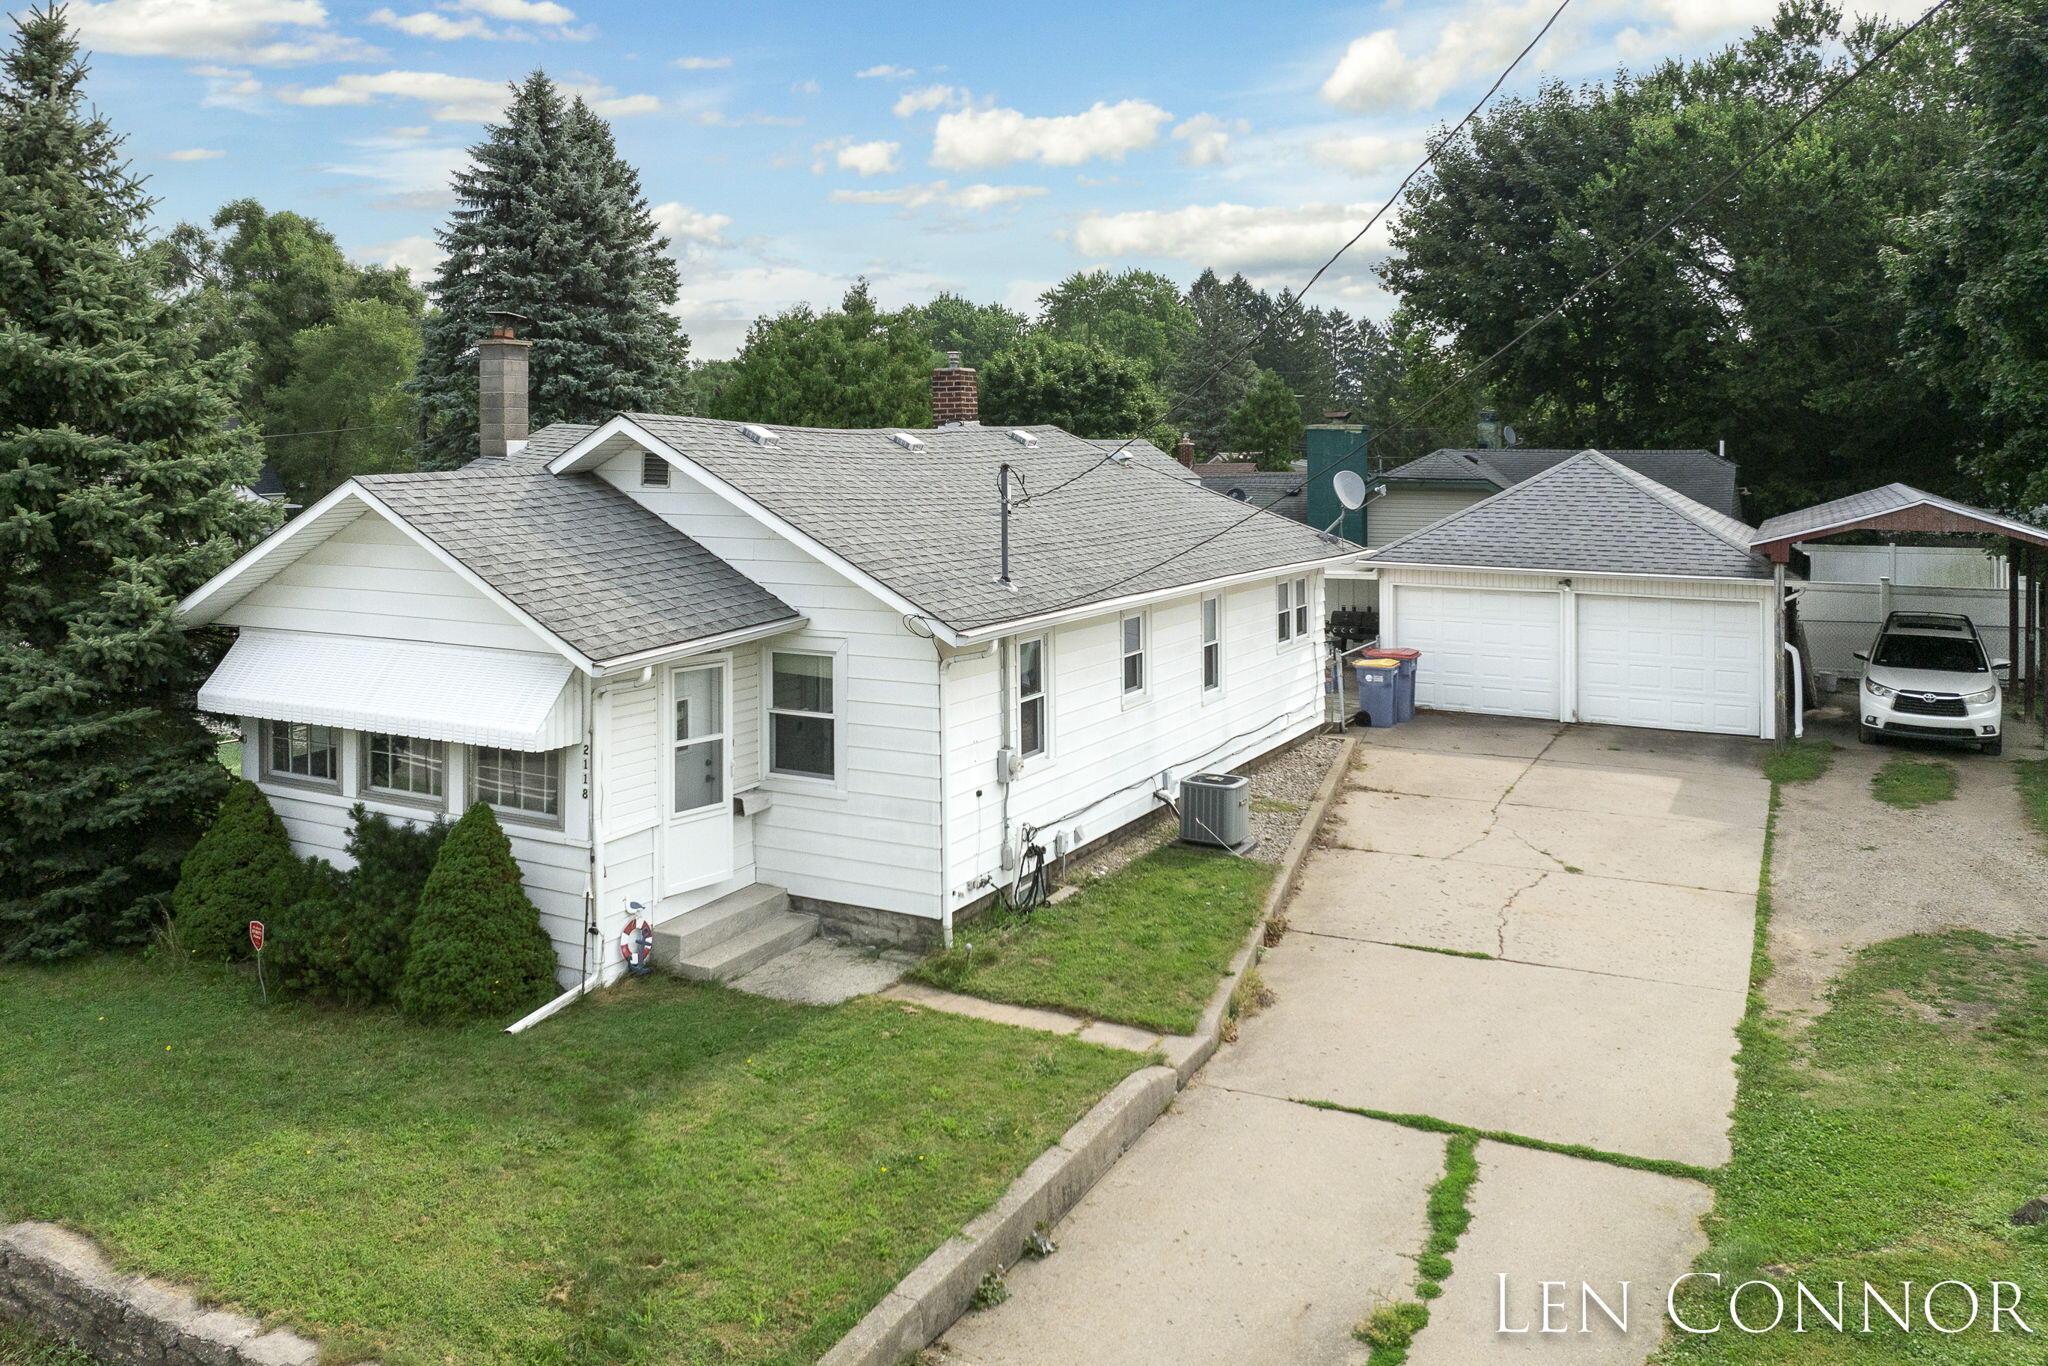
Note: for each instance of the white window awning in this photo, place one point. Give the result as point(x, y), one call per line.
point(436, 692)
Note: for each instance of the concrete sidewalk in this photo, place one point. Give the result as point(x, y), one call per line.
point(1609, 879)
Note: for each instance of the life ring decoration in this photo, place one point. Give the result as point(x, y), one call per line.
point(636, 942)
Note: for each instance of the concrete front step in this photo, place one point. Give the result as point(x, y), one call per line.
point(748, 949)
point(695, 932)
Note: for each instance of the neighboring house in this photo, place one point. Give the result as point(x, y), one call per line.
point(1588, 592)
point(699, 664)
point(1282, 491)
point(1409, 497)
point(268, 488)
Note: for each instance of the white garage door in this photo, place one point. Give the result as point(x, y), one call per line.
point(1482, 651)
point(1672, 663)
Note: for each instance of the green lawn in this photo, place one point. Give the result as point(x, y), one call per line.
point(1913, 783)
point(2032, 777)
point(1800, 761)
point(1891, 1142)
point(1145, 946)
point(19, 1347)
point(668, 1173)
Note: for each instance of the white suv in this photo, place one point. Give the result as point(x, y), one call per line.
point(1927, 676)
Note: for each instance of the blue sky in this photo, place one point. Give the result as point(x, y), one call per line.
point(789, 147)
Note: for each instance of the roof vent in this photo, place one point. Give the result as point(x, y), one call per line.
point(1023, 438)
point(906, 441)
point(760, 436)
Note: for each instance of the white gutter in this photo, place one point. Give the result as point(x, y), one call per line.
point(1553, 573)
point(661, 654)
point(1023, 625)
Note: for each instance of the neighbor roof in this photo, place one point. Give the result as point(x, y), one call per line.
point(604, 574)
point(1587, 514)
point(922, 522)
point(1280, 490)
point(1874, 505)
point(1701, 476)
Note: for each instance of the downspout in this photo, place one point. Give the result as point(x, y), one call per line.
point(1778, 629)
point(1798, 692)
point(593, 890)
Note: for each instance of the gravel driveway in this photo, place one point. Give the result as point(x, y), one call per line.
point(1848, 870)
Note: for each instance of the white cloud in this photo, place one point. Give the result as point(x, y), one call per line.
point(971, 138)
point(410, 130)
point(1368, 153)
point(257, 32)
point(680, 223)
point(196, 154)
point(1668, 24)
point(1378, 72)
point(1207, 138)
point(228, 87)
point(435, 25)
point(420, 255)
point(461, 99)
point(930, 97)
point(1234, 237)
point(409, 176)
point(702, 63)
point(523, 11)
point(869, 158)
point(718, 118)
point(972, 198)
point(805, 88)
point(886, 72)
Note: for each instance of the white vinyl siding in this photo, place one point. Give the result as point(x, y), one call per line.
point(1111, 754)
point(870, 838)
point(371, 579)
point(1399, 511)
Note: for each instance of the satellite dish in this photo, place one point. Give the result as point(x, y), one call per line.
point(1240, 495)
point(1350, 489)
point(1508, 437)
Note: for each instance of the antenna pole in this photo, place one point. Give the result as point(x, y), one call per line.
point(1003, 516)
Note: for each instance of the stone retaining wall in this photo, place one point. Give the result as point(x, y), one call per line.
point(57, 1282)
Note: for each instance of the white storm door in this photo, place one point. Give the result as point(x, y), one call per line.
point(1671, 663)
point(1483, 650)
point(697, 827)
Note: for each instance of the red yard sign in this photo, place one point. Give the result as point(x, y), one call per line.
point(256, 935)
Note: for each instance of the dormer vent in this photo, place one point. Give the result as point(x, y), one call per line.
point(906, 441)
point(760, 436)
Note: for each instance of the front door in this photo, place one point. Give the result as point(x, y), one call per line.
point(696, 846)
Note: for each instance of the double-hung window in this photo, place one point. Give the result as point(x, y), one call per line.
point(305, 754)
point(1031, 697)
point(1291, 602)
point(1134, 653)
point(803, 721)
point(406, 767)
point(520, 784)
point(1212, 644)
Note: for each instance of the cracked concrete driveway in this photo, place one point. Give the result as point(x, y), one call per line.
point(1609, 878)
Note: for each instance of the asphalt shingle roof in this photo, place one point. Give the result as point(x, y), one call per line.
point(1876, 503)
point(1280, 490)
point(1590, 514)
point(923, 521)
point(584, 560)
point(1702, 476)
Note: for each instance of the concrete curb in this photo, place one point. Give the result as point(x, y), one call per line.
point(928, 1301)
point(60, 1283)
point(1192, 1052)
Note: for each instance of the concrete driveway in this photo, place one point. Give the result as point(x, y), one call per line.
point(1608, 876)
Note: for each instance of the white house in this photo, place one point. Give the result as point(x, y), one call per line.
point(757, 677)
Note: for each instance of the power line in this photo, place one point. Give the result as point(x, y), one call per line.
point(336, 431)
point(1826, 98)
point(1294, 302)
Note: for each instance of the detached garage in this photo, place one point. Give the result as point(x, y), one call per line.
point(1588, 593)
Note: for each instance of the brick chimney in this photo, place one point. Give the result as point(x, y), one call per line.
point(1184, 450)
point(956, 400)
point(501, 385)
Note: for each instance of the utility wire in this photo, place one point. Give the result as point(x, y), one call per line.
point(1815, 107)
point(1293, 304)
point(336, 431)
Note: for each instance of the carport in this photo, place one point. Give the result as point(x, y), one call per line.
point(1903, 508)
